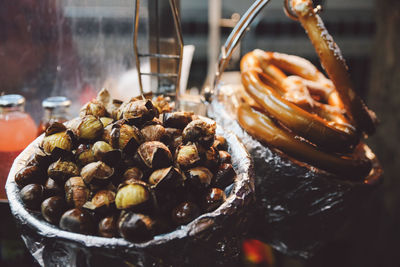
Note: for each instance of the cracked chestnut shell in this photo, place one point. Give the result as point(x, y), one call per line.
point(60, 171)
point(29, 175)
point(211, 158)
point(40, 159)
point(52, 208)
point(166, 178)
point(185, 213)
point(153, 132)
point(220, 143)
point(76, 192)
point(136, 227)
point(154, 155)
point(224, 157)
point(187, 156)
point(88, 127)
point(84, 154)
point(124, 137)
point(32, 196)
point(96, 172)
point(178, 119)
point(108, 227)
point(137, 112)
point(77, 221)
point(100, 148)
point(102, 202)
point(198, 178)
point(132, 173)
point(93, 107)
point(199, 131)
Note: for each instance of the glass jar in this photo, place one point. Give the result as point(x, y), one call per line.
point(17, 130)
point(56, 109)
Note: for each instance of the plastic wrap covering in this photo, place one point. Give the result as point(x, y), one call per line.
point(212, 239)
point(299, 208)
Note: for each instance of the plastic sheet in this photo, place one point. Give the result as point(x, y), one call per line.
point(299, 208)
point(212, 239)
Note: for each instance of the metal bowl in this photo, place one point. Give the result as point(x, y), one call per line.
point(211, 239)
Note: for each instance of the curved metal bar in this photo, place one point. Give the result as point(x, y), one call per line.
point(290, 13)
point(135, 47)
point(236, 35)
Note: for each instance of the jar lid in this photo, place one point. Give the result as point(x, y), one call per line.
point(11, 100)
point(56, 102)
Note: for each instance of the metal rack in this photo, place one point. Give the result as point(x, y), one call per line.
point(167, 75)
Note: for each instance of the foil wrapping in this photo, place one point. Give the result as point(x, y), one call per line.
point(212, 239)
point(299, 208)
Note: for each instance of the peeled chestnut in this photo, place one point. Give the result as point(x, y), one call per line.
point(198, 178)
point(187, 156)
point(29, 175)
point(166, 178)
point(32, 196)
point(136, 227)
point(224, 176)
point(76, 192)
point(154, 155)
point(214, 197)
point(224, 157)
point(84, 154)
point(61, 140)
point(135, 196)
point(94, 107)
point(178, 119)
point(153, 132)
point(199, 131)
point(60, 171)
point(185, 213)
point(52, 208)
point(96, 172)
point(108, 227)
point(88, 127)
point(51, 188)
point(77, 221)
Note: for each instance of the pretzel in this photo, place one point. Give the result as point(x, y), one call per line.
point(334, 64)
point(322, 124)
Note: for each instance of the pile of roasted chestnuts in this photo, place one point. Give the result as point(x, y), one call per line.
point(133, 169)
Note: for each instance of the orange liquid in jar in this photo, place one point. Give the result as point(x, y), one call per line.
point(17, 131)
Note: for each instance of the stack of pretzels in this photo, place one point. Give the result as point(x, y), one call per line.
point(293, 107)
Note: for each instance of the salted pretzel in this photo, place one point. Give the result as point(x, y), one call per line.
point(296, 109)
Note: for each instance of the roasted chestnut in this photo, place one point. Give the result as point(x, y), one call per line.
point(39, 159)
point(220, 143)
point(166, 178)
point(185, 213)
point(198, 178)
point(133, 173)
point(55, 127)
point(94, 107)
point(102, 202)
point(77, 221)
point(52, 208)
point(173, 138)
point(76, 192)
point(84, 154)
point(106, 121)
point(224, 157)
point(125, 137)
point(108, 227)
point(32, 196)
point(137, 112)
point(60, 171)
point(178, 119)
point(135, 196)
point(96, 172)
point(100, 148)
point(88, 127)
point(214, 197)
point(30, 175)
point(199, 131)
point(153, 132)
point(187, 156)
point(136, 227)
point(51, 188)
point(61, 140)
point(224, 176)
point(211, 158)
point(154, 155)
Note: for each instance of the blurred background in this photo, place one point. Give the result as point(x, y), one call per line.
point(74, 48)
